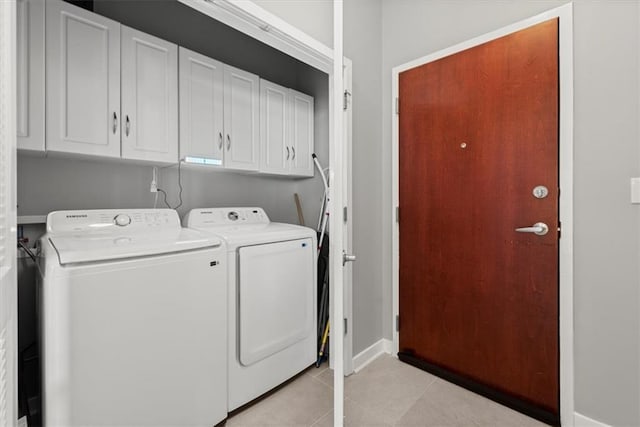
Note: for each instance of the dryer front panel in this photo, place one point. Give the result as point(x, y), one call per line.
point(275, 297)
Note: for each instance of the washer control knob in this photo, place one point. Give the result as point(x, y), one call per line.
point(233, 216)
point(122, 220)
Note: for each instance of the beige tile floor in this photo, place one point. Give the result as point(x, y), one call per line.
point(386, 392)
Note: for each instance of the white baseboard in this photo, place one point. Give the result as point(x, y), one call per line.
point(580, 420)
point(370, 353)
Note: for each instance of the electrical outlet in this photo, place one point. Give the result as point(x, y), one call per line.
point(153, 187)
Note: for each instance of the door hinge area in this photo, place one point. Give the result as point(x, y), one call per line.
point(345, 326)
point(345, 100)
point(345, 214)
point(397, 323)
point(397, 105)
point(398, 214)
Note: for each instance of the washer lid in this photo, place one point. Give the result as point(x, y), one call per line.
point(97, 247)
point(260, 234)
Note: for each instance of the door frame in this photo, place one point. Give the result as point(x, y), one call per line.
point(252, 20)
point(565, 47)
point(348, 212)
point(8, 218)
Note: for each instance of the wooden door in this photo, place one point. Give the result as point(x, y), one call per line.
point(301, 128)
point(149, 97)
point(82, 81)
point(241, 119)
point(479, 300)
point(274, 135)
point(201, 107)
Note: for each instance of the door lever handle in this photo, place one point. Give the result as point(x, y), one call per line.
point(347, 258)
point(539, 228)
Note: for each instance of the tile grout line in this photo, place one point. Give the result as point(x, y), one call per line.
point(322, 382)
point(321, 417)
point(426, 389)
point(315, 422)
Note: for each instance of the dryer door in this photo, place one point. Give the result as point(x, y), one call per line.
point(275, 297)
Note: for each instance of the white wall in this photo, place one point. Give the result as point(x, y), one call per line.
point(314, 17)
point(607, 153)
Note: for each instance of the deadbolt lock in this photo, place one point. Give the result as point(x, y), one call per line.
point(540, 192)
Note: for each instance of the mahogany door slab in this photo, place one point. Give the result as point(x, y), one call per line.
point(478, 132)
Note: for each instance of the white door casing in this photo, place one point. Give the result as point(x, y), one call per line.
point(149, 97)
point(30, 63)
point(348, 212)
point(251, 19)
point(8, 275)
point(565, 15)
point(241, 119)
point(336, 190)
point(82, 81)
point(201, 106)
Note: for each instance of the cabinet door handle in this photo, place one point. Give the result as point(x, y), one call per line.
point(127, 126)
point(220, 141)
point(115, 122)
point(287, 153)
point(228, 142)
point(293, 156)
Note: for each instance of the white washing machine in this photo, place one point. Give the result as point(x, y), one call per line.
point(272, 297)
point(133, 320)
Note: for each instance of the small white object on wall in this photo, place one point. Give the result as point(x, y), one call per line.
point(635, 191)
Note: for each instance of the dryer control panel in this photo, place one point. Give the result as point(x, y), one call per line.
point(225, 216)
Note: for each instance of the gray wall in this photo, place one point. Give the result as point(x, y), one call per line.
point(46, 184)
point(362, 38)
point(607, 154)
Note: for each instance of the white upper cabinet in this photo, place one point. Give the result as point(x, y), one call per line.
point(301, 136)
point(112, 91)
point(149, 97)
point(241, 119)
point(286, 131)
point(30, 74)
point(274, 132)
point(82, 82)
point(201, 108)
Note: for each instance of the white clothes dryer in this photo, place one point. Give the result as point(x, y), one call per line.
point(272, 297)
point(132, 320)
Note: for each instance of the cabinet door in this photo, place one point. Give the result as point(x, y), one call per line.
point(301, 122)
point(201, 108)
point(83, 81)
point(30, 74)
point(241, 119)
point(149, 97)
point(274, 120)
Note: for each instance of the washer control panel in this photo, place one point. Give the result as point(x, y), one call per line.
point(225, 216)
point(122, 220)
point(112, 220)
